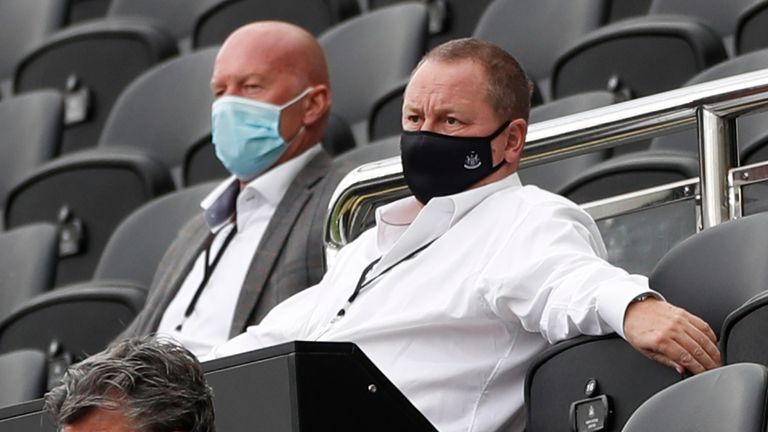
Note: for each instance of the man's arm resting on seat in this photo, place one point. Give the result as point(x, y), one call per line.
point(671, 335)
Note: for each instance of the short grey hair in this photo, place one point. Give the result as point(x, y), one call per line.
point(157, 384)
point(508, 90)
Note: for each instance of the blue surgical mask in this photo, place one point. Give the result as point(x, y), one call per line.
point(246, 134)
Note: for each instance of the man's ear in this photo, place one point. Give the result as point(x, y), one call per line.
point(318, 103)
point(517, 130)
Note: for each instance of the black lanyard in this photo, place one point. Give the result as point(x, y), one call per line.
point(207, 272)
point(362, 283)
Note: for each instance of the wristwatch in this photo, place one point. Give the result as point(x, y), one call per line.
point(642, 297)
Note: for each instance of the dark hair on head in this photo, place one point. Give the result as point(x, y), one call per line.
point(157, 384)
point(509, 89)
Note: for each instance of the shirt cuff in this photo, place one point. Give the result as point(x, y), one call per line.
point(613, 301)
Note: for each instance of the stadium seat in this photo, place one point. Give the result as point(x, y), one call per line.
point(750, 30)
point(27, 264)
point(716, 271)
point(136, 246)
point(224, 16)
point(366, 58)
point(604, 368)
point(751, 128)
point(637, 57)
point(448, 19)
point(84, 10)
point(630, 173)
point(30, 131)
point(178, 92)
point(525, 29)
point(73, 322)
point(22, 376)
point(730, 398)
point(91, 63)
point(552, 176)
point(711, 12)
point(177, 17)
point(743, 332)
point(86, 194)
point(23, 24)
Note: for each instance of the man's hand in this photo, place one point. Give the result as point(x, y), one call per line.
point(671, 336)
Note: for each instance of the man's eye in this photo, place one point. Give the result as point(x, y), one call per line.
point(451, 121)
point(413, 118)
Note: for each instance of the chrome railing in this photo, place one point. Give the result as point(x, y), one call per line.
point(713, 107)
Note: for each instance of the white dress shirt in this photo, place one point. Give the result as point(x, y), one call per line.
point(210, 323)
point(455, 327)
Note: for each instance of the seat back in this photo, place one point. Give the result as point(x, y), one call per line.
point(552, 176)
point(222, 17)
point(22, 376)
point(624, 57)
point(729, 398)
point(136, 246)
point(743, 332)
point(23, 24)
point(524, 28)
point(750, 34)
point(750, 129)
point(722, 19)
point(91, 64)
point(630, 173)
point(27, 264)
point(366, 58)
point(73, 322)
point(178, 92)
point(86, 194)
point(30, 130)
point(717, 270)
point(85, 10)
point(590, 368)
point(175, 16)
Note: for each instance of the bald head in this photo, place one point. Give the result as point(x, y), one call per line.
point(281, 46)
point(272, 61)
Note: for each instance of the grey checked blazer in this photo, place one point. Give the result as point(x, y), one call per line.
point(288, 259)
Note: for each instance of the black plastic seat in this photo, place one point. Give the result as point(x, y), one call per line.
point(27, 264)
point(730, 398)
point(630, 173)
point(638, 57)
point(23, 24)
point(552, 176)
point(177, 17)
point(224, 16)
point(561, 376)
point(30, 131)
point(135, 248)
point(86, 195)
point(750, 30)
point(743, 332)
point(366, 58)
point(22, 376)
point(711, 12)
point(716, 271)
point(91, 63)
point(84, 10)
point(524, 28)
point(73, 322)
point(751, 128)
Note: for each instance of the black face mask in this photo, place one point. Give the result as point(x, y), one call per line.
point(437, 165)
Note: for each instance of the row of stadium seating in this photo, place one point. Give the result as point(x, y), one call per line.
point(105, 151)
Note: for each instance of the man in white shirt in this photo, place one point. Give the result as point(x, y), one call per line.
point(259, 238)
point(456, 289)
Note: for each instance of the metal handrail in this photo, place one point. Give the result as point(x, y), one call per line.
point(713, 106)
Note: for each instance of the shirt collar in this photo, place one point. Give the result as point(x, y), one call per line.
point(393, 219)
point(220, 205)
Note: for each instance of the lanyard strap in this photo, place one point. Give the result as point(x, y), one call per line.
point(207, 272)
point(362, 282)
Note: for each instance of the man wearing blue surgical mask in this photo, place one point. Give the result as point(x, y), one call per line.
point(259, 238)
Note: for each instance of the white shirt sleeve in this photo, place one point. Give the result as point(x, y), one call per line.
point(551, 275)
